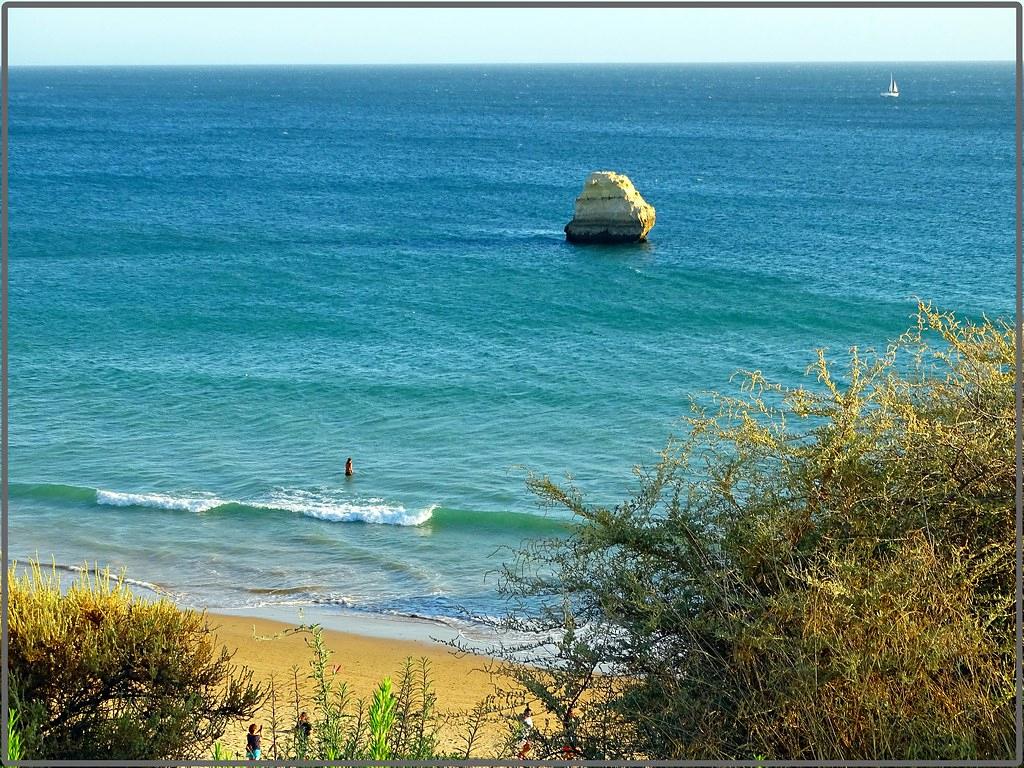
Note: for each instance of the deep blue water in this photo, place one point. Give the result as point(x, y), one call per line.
point(224, 281)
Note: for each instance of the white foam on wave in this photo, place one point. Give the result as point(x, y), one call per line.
point(158, 501)
point(312, 504)
point(327, 508)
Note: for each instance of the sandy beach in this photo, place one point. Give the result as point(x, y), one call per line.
point(262, 645)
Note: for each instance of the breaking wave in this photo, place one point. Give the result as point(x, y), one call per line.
point(321, 504)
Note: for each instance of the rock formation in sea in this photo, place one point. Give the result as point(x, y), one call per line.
point(610, 210)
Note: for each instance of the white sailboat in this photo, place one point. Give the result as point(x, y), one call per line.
point(894, 90)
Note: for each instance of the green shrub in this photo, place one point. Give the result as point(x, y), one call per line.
point(812, 573)
point(98, 672)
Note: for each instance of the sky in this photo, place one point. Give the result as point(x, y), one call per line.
point(113, 36)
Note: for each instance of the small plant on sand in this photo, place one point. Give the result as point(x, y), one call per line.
point(382, 719)
point(275, 722)
point(340, 727)
point(414, 736)
point(475, 722)
point(14, 751)
point(97, 671)
point(220, 753)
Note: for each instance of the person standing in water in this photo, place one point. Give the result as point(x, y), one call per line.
point(348, 467)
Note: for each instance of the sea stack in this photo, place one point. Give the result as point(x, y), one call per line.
point(610, 210)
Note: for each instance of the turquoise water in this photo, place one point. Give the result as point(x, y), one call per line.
point(223, 282)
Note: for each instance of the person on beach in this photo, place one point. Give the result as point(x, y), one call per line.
point(253, 742)
point(303, 729)
point(526, 728)
point(348, 467)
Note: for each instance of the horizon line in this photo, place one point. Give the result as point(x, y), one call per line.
point(109, 65)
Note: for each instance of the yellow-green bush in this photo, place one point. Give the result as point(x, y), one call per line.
point(824, 572)
point(99, 672)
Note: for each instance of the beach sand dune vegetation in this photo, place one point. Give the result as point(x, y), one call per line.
point(400, 719)
point(823, 572)
point(98, 672)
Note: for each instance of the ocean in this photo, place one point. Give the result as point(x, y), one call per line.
point(225, 281)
